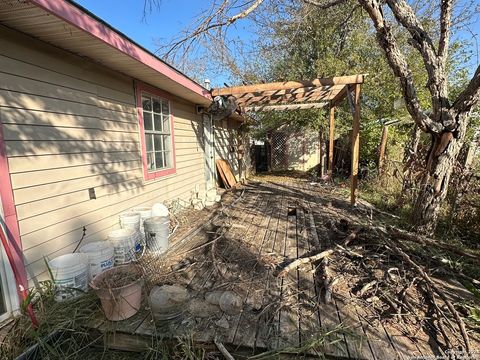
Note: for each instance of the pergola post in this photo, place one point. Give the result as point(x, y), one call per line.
point(330, 141)
point(382, 148)
point(355, 146)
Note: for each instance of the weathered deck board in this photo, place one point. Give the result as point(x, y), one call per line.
point(309, 318)
point(288, 314)
point(261, 227)
point(246, 326)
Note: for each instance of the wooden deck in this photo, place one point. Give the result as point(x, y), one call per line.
point(270, 221)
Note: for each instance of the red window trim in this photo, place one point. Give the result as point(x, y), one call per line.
point(139, 88)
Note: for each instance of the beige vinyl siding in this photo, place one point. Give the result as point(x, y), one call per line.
point(71, 125)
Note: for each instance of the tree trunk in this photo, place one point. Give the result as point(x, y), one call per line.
point(440, 163)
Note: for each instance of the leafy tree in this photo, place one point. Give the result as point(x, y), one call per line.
point(428, 26)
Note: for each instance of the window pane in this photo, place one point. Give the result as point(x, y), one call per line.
point(156, 105)
point(166, 123)
point(166, 142)
point(157, 122)
point(168, 159)
point(158, 142)
point(146, 103)
point(150, 161)
point(147, 121)
point(165, 107)
point(159, 160)
point(149, 142)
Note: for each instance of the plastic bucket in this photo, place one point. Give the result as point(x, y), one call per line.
point(124, 243)
point(145, 213)
point(100, 256)
point(69, 272)
point(130, 220)
point(157, 230)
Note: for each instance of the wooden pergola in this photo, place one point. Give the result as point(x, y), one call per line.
point(312, 94)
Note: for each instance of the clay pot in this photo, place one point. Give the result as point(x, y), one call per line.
point(119, 302)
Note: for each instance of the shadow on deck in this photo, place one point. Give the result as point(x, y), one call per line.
point(268, 224)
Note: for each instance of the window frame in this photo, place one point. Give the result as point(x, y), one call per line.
point(140, 89)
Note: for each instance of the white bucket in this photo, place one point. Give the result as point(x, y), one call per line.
point(157, 231)
point(130, 220)
point(69, 272)
point(145, 213)
point(124, 242)
point(100, 256)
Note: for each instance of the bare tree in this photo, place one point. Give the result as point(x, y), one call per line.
point(446, 121)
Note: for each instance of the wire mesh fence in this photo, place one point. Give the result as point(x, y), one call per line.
point(279, 150)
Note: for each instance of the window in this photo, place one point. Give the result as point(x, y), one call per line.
point(157, 134)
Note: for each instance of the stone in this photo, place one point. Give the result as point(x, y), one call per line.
point(201, 309)
point(230, 303)
point(213, 297)
point(223, 323)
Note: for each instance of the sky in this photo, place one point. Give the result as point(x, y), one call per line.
point(127, 16)
point(173, 16)
point(163, 23)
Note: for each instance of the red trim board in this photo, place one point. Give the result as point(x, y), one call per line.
point(10, 213)
point(139, 88)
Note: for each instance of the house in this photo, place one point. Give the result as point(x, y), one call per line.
point(92, 125)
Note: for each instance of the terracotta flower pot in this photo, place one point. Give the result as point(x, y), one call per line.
point(120, 291)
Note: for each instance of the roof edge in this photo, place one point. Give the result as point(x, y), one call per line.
point(84, 20)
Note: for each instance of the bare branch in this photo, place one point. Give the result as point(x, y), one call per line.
point(244, 13)
point(208, 23)
point(445, 24)
point(399, 66)
point(422, 41)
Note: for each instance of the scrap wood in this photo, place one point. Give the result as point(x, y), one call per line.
point(319, 256)
point(226, 173)
point(435, 288)
point(222, 174)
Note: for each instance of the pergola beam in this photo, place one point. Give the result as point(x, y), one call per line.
point(285, 107)
point(302, 90)
point(289, 85)
point(289, 98)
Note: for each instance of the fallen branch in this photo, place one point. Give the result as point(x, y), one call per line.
point(426, 241)
point(223, 350)
point(432, 284)
point(316, 257)
point(305, 260)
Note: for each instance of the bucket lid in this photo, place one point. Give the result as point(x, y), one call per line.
point(168, 296)
point(121, 233)
point(95, 246)
point(68, 260)
point(159, 209)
